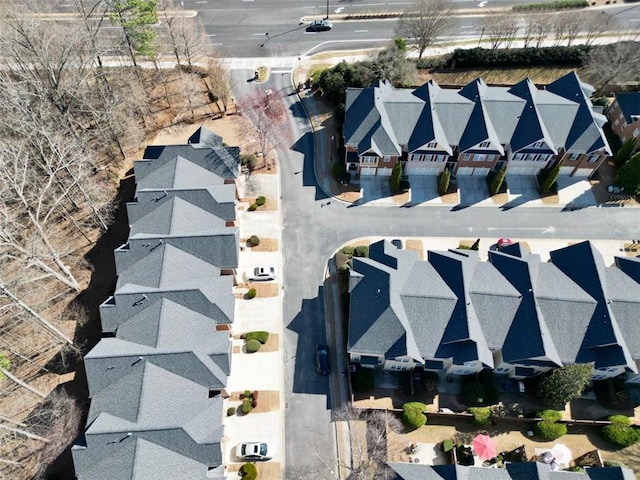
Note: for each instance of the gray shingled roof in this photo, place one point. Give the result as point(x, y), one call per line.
point(629, 104)
point(218, 200)
point(179, 172)
point(168, 335)
point(513, 471)
point(384, 120)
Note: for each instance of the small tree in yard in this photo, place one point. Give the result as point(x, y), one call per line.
point(565, 384)
point(551, 177)
point(622, 155)
point(620, 432)
point(413, 415)
point(443, 181)
point(394, 180)
point(497, 180)
point(425, 21)
point(628, 176)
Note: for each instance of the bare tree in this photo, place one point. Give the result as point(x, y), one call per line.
point(616, 62)
point(267, 118)
point(567, 27)
point(425, 21)
point(219, 82)
point(536, 29)
point(500, 29)
point(368, 439)
point(186, 37)
point(595, 24)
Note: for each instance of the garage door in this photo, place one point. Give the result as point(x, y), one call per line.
point(424, 170)
point(566, 170)
point(368, 171)
point(472, 171)
point(384, 172)
point(583, 172)
point(522, 170)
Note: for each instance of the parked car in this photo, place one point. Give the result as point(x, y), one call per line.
point(255, 451)
point(319, 26)
point(322, 359)
point(262, 273)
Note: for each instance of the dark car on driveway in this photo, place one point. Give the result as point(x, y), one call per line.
point(322, 359)
point(319, 26)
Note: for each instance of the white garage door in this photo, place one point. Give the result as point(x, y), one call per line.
point(566, 170)
point(384, 172)
point(368, 171)
point(522, 170)
point(424, 169)
point(472, 171)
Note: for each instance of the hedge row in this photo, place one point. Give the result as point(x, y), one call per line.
point(620, 433)
point(512, 57)
point(559, 5)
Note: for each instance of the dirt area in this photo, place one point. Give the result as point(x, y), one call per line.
point(550, 199)
point(268, 400)
point(401, 198)
point(507, 76)
point(266, 245)
point(500, 198)
point(264, 289)
point(270, 204)
point(266, 470)
point(450, 198)
point(413, 244)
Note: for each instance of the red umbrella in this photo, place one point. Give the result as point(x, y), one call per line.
point(484, 447)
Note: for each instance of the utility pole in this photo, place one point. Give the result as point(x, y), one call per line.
point(327, 17)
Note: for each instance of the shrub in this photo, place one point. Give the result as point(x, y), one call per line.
point(549, 415)
point(254, 240)
point(564, 384)
point(447, 445)
point(413, 416)
point(628, 176)
point(444, 179)
point(251, 293)
point(614, 463)
point(620, 432)
point(253, 346)
point(361, 251)
point(248, 471)
point(481, 415)
point(247, 394)
point(349, 251)
point(231, 411)
point(260, 201)
point(549, 430)
point(260, 336)
point(252, 207)
point(558, 5)
point(476, 245)
point(247, 405)
point(516, 57)
point(338, 169)
point(549, 183)
point(474, 393)
point(624, 153)
point(394, 179)
point(496, 181)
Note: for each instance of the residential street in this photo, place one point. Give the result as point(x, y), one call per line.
point(315, 225)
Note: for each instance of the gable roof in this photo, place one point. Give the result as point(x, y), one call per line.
point(167, 335)
point(530, 127)
point(629, 104)
point(179, 172)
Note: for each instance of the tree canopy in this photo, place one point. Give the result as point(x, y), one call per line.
point(565, 384)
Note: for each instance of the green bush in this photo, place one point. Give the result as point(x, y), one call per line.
point(549, 430)
point(474, 393)
point(394, 179)
point(338, 169)
point(620, 433)
point(231, 411)
point(624, 152)
point(348, 250)
point(614, 463)
point(558, 5)
point(481, 415)
point(361, 251)
point(444, 179)
point(447, 445)
point(248, 471)
point(253, 207)
point(333, 82)
point(413, 416)
point(260, 201)
point(253, 346)
point(254, 240)
point(549, 415)
point(260, 336)
point(251, 294)
point(518, 57)
point(247, 405)
point(628, 175)
point(496, 181)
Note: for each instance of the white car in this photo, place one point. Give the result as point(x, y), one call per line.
point(254, 451)
point(262, 273)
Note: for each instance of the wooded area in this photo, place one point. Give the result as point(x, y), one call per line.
point(75, 102)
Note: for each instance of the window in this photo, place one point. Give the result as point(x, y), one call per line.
point(593, 158)
point(517, 156)
point(479, 157)
point(466, 157)
point(615, 124)
point(485, 144)
point(387, 159)
point(432, 145)
point(572, 156)
point(368, 159)
point(636, 132)
point(502, 369)
point(538, 145)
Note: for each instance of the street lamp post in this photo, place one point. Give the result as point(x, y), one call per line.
point(327, 17)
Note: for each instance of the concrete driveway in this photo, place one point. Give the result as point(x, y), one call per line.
point(473, 190)
point(424, 189)
point(575, 192)
point(260, 313)
point(253, 427)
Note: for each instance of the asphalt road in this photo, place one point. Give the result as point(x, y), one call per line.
point(315, 226)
